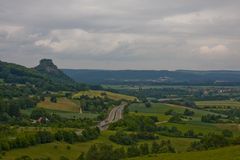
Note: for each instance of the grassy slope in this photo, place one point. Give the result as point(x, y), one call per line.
point(228, 153)
point(48, 150)
point(63, 104)
point(181, 144)
point(226, 103)
point(65, 114)
point(195, 124)
point(159, 109)
point(114, 96)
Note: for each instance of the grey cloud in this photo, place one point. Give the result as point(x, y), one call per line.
point(141, 34)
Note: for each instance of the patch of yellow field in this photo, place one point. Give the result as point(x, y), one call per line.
point(102, 94)
point(63, 104)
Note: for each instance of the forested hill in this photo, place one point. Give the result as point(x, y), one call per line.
point(46, 76)
point(152, 76)
point(49, 69)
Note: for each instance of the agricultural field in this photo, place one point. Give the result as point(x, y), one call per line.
point(62, 104)
point(227, 153)
point(65, 114)
point(196, 127)
point(218, 104)
point(102, 94)
point(159, 109)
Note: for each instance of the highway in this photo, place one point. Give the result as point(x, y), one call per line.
point(114, 115)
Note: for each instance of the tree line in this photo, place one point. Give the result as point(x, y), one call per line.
point(123, 138)
point(41, 137)
point(105, 151)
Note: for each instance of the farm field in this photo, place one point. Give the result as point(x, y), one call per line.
point(102, 94)
point(159, 109)
point(55, 150)
point(197, 127)
point(63, 104)
point(65, 114)
point(227, 153)
point(218, 104)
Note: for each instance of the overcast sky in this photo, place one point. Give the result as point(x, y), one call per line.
point(123, 34)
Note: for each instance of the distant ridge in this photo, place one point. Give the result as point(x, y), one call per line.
point(154, 76)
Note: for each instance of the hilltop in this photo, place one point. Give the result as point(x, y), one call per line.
point(45, 76)
point(48, 68)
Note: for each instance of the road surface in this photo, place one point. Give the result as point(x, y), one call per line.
point(115, 114)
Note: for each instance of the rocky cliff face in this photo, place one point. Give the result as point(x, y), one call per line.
point(47, 67)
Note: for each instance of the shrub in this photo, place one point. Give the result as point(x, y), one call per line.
point(227, 133)
point(122, 138)
point(188, 112)
point(175, 119)
point(24, 158)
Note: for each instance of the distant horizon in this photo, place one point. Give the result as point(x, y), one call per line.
point(150, 70)
point(137, 69)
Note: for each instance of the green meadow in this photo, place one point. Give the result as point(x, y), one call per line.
point(218, 104)
point(159, 109)
point(57, 149)
point(102, 94)
point(227, 153)
point(65, 114)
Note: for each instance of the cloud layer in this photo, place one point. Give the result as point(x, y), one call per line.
point(127, 34)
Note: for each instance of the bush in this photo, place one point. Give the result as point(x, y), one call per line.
point(103, 152)
point(210, 141)
point(53, 99)
point(122, 138)
point(145, 136)
point(175, 119)
point(170, 112)
point(45, 137)
point(67, 136)
point(24, 158)
point(163, 147)
point(188, 112)
point(148, 105)
point(90, 134)
point(63, 158)
point(144, 148)
point(39, 112)
point(133, 151)
point(227, 133)
point(136, 123)
point(68, 147)
point(211, 118)
point(190, 134)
